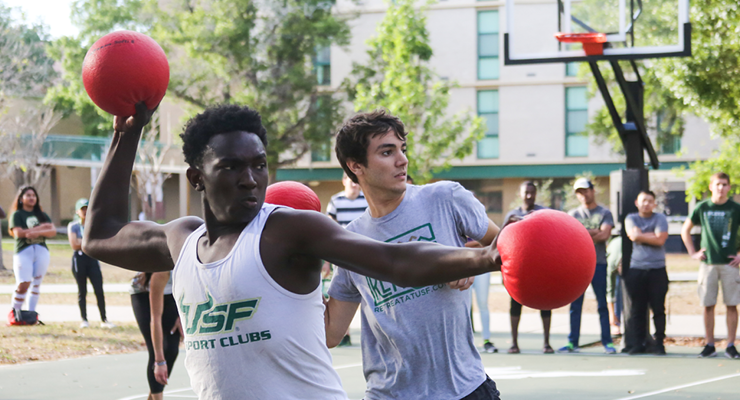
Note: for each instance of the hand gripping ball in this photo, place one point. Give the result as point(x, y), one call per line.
point(548, 259)
point(124, 68)
point(294, 195)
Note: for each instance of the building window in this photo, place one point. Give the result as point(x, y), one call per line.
point(571, 68)
point(321, 152)
point(488, 109)
point(322, 65)
point(488, 45)
point(671, 144)
point(576, 118)
point(493, 201)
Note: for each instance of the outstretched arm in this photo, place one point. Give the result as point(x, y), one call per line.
point(109, 236)
point(404, 264)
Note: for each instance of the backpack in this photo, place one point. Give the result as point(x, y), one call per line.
point(26, 318)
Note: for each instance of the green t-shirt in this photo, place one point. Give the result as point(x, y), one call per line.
point(719, 224)
point(26, 220)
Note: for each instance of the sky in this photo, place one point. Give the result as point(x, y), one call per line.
point(53, 13)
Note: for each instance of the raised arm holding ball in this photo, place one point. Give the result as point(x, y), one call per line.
point(253, 316)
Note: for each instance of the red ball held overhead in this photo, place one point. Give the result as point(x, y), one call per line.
point(124, 68)
point(548, 259)
point(294, 195)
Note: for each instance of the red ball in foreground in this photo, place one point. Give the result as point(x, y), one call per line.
point(548, 259)
point(124, 68)
point(294, 195)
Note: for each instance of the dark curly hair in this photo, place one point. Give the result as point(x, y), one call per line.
point(216, 120)
point(354, 136)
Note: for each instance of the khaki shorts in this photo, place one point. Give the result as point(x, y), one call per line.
point(710, 275)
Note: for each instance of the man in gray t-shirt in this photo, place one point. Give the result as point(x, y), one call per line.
point(599, 223)
point(647, 279)
point(417, 342)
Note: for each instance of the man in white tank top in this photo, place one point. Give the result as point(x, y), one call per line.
point(247, 279)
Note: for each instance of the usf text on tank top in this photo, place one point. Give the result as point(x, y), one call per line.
point(246, 337)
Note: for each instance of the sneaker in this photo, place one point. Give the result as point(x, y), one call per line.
point(610, 349)
point(345, 342)
point(709, 351)
point(731, 352)
point(84, 324)
point(107, 325)
point(659, 350)
point(488, 347)
point(569, 348)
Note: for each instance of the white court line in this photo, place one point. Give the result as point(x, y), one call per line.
point(170, 393)
point(639, 396)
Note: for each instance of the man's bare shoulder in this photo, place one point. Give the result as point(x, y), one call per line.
point(288, 222)
point(178, 230)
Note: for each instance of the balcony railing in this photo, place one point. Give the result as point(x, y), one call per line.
point(80, 148)
point(76, 149)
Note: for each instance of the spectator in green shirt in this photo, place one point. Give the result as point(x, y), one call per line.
point(30, 227)
point(719, 218)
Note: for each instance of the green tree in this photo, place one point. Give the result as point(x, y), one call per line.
point(248, 52)
point(398, 78)
point(26, 71)
point(663, 110)
point(704, 84)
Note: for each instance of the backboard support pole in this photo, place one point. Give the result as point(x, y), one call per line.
point(635, 177)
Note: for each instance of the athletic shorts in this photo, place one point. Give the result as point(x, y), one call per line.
point(710, 276)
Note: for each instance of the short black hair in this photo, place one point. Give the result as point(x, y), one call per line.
point(355, 134)
point(527, 184)
point(647, 192)
point(216, 120)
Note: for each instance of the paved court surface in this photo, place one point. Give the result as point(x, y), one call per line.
point(589, 375)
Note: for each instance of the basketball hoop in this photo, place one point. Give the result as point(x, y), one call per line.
point(593, 42)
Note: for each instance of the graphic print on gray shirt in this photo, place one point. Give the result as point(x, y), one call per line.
point(594, 219)
point(645, 256)
point(417, 343)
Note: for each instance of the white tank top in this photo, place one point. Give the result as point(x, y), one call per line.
point(246, 337)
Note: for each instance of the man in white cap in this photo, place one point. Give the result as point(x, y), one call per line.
point(599, 222)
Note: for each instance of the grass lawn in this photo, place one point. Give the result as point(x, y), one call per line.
point(65, 340)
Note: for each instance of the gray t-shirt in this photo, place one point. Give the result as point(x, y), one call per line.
point(645, 256)
point(594, 219)
point(521, 213)
point(417, 342)
point(76, 227)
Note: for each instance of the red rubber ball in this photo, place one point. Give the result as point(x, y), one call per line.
point(124, 68)
point(548, 259)
point(294, 195)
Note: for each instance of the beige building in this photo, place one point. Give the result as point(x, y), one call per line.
point(535, 114)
